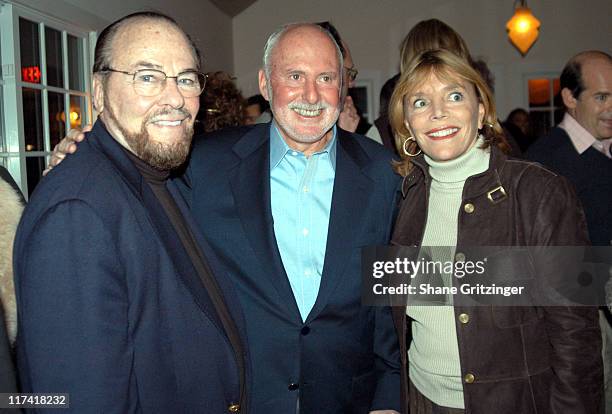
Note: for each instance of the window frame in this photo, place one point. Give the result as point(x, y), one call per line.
point(551, 76)
point(12, 150)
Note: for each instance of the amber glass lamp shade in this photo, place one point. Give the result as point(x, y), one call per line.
point(523, 29)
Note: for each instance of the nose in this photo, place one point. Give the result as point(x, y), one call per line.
point(438, 110)
point(311, 91)
point(171, 95)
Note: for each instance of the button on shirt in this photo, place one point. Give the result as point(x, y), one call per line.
point(301, 193)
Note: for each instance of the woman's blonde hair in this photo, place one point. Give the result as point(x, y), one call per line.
point(430, 35)
point(447, 67)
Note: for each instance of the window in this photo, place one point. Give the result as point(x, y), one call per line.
point(545, 104)
point(44, 89)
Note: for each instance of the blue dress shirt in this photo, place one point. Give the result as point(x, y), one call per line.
point(301, 193)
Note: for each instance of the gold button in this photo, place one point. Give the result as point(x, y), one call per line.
point(469, 208)
point(464, 318)
point(469, 378)
point(460, 257)
point(234, 408)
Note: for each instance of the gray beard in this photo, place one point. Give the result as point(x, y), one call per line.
point(313, 139)
point(161, 156)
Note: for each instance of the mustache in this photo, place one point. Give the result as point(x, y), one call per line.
point(309, 107)
point(173, 112)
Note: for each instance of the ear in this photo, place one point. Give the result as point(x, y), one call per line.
point(568, 98)
point(98, 93)
point(263, 85)
point(407, 125)
point(481, 115)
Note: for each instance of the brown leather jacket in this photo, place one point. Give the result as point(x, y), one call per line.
point(515, 360)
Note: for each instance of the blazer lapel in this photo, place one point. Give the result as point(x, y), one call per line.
point(250, 182)
point(178, 255)
point(352, 187)
point(234, 328)
point(218, 271)
point(100, 138)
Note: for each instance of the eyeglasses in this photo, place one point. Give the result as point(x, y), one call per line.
point(351, 73)
point(151, 82)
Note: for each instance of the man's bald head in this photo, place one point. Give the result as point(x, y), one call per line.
point(275, 37)
point(302, 80)
point(104, 45)
point(152, 118)
point(586, 89)
point(571, 76)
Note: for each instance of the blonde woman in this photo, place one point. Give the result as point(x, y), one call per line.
point(461, 190)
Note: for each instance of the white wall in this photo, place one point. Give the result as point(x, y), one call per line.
point(374, 29)
point(208, 26)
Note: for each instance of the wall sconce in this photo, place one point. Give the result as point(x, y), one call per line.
point(523, 28)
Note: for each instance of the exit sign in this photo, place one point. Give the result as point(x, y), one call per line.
point(30, 74)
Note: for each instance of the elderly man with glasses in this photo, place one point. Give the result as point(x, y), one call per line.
point(135, 314)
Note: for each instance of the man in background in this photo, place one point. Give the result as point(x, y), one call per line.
point(257, 110)
point(579, 148)
point(350, 119)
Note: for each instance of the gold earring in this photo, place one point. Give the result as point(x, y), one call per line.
point(405, 148)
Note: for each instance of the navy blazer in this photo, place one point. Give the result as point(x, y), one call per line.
point(111, 309)
point(344, 358)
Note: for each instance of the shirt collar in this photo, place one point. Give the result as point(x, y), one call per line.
point(580, 137)
point(279, 148)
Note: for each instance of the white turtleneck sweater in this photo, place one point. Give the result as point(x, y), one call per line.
point(434, 365)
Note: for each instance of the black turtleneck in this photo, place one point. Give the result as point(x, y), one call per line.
point(157, 180)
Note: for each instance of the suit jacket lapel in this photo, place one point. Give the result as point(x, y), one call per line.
point(179, 256)
point(187, 271)
point(234, 328)
point(100, 138)
point(219, 272)
point(250, 182)
point(352, 187)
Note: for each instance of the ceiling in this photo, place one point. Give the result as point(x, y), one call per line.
point(232, 7)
